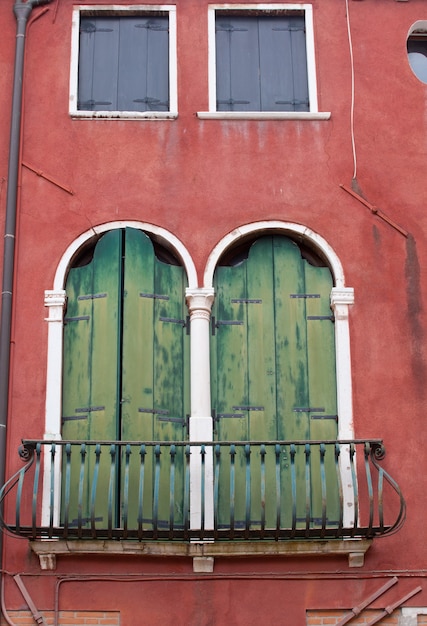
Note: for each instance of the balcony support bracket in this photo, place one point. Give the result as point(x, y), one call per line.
point(202, 553)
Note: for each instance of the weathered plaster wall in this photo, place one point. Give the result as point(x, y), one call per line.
point(200, 180)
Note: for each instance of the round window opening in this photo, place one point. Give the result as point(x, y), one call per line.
point(417, 50)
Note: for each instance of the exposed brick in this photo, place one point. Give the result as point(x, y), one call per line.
point(66, 618)
point(326, 618)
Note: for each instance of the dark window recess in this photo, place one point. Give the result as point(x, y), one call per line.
point(124, 63)
point(261, 63)
point(417, 54)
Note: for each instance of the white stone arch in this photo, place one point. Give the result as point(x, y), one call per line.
point(55, 300)
point(274, 226)
point(341, 298)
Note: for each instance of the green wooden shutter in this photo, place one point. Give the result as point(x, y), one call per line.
point(91, 352)
point(276, 357)
point(156, 392)
point(125, 354)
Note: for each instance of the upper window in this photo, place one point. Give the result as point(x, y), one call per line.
point(417, 50)
point(261, 61)
point(124, 63)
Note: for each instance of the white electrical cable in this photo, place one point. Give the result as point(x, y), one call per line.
point(350, 43)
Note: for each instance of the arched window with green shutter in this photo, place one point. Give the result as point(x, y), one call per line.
point(125, 352)
point(273, 365)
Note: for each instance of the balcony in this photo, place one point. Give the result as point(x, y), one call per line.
point(176, 492)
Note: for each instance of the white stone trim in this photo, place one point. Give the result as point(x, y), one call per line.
point(309, 38)
point(199, 303)
point(268, 227)
point(341, 298)
point(262, 115)
point(409, 615)
point(55, 300)
point(173, 72)
point(163, 235)
point(48, 550)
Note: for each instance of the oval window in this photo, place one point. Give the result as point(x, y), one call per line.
point(417, 50)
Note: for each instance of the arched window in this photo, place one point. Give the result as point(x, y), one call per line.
point(118, 357)
point(273, 355)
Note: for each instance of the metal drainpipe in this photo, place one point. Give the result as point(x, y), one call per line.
point(22, 11)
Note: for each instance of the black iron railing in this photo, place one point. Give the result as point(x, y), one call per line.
point(221, 490)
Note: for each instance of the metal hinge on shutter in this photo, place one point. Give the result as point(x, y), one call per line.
point(217, 323)
point(153, 25)
point(307, 409)
point(217, 416)
point(305, 102)
point(151, 102)
point(87, 104)
point(331, 318)
point(92, 296)
point(90, 27)
point(172, 320)
point(163, 416)
point(154, 296)
point(304, 295)
point(77, 318)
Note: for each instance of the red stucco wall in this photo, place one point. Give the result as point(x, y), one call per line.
point(200, 180)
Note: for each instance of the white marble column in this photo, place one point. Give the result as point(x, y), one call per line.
point(341, 299)
point(55, 301)
point(199, 302)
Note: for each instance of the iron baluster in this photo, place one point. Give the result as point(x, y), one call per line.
point(352, 453)
point(202, 489)
point(125, 503)
point(307, 450)
point(367, 452)
point(232, 489)
point(52, 489)
point(292, 451)
point(187, 491)
point(337, 450)
point(155, 521)
point(36, 490)
point(216, 487)
point(278, 489)
point(248, 490)
point(142, 453)
point(262, 458)
point(172, 490)
point(80, 491)
point(94, 487)
point(111, 490)
point(67, 488)
point(322, 450)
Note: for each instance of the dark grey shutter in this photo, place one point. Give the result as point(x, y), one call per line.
point(261, 63)
point(238, 87)
point(124, 63)
point(283, 64)
point(98, 58)
point(144, 64)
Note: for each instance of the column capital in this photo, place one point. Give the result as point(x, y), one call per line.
point(199, 301)
point(54, 297)
point(55, 300)
point(342, 295)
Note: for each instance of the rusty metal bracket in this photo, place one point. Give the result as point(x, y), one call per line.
point(358, 609)
point(375, 210)
point(38, 617)
point(389, 609)
point(47, 177)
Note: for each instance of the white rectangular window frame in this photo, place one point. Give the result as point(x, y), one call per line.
point(83, 10)
point(313, 113)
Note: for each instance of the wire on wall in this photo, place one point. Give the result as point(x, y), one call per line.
point(350, 43)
